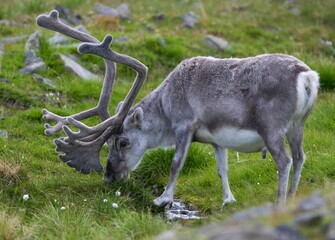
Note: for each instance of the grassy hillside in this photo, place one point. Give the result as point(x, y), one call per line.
point(65, 204)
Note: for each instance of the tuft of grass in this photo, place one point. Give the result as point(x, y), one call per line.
point(10, 226)
point(9, 173)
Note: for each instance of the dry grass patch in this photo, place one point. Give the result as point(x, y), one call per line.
point(10, 173)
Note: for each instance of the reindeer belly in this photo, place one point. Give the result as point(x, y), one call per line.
point(241, 140)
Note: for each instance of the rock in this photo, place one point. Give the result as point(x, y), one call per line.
point(13, 39)
point(58, 39)
point(242, 7)
point(216, 42)
point(33, 42)
point(258, 232)
point(104, 10)
point(169, 235)
point(67, 14)
point(122, 11)
point(82, 28)
point(270, 222)
point(33, 63)
point(122, 39)
point(30, 57)
point(287, 232)
point(190, 20)
point(43, 80)
point(159, 17)
point(33, 67)
point(78, 69)
point(292, 5)
point(314, 202)
point(331, 231)
point(310, 211)
point(162, 41)
point(252, 213)
point(2, 50)
point(3, 133)
point(4, 80)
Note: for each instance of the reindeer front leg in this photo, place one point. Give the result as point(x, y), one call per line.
point(183, 141)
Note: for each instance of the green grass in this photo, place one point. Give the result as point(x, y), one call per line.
point(29, 164)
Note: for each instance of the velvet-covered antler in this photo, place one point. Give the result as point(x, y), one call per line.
point(81, 149)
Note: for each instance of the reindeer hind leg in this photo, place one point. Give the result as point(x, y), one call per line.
point(295, 139)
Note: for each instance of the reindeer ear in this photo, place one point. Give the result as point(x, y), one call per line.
point(137, 117)
point(119, 106)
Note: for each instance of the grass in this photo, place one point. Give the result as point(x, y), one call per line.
point(29, 164)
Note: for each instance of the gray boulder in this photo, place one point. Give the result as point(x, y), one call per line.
point(216, 43)
point(78, 69)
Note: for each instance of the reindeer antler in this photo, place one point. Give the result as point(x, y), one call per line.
point(81, 149)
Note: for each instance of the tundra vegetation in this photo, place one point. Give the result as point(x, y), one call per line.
point(64, 204)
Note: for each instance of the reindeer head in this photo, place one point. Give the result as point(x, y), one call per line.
point(81, 149)
point(126, 148)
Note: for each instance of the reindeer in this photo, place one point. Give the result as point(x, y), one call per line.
point(248, 105)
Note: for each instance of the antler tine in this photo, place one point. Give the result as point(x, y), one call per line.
point(81, 149)
point(52, 22)
point(103, 50)
point(83, 154)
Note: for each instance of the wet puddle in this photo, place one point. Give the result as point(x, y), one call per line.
point(179, 211)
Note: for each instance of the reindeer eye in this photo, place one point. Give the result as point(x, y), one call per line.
point(123, 143)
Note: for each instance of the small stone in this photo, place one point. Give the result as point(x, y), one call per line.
point(331, 231)
point(2, 49)
point(13, 39)
point(33, 42)
point(287, 232)
point(3, 133)
point(33, 67)
point(4, 80)
point(25, 197)
point(162, 41)
point(58, 39)
point(216, 42)
point(67, 14)
point(30, 57)
point(122, 39)
point(82, 28)
point(114, 205)
point(311, 210)
point(190, 20)
point(43, 80)
point(123, 11)
point(159, 17)
point(104, 10)
point(252, 213)
point(314, 202)
point(78, 69)
point(309, 218)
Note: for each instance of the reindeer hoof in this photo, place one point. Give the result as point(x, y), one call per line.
point(163, 201)
point(228, 200)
